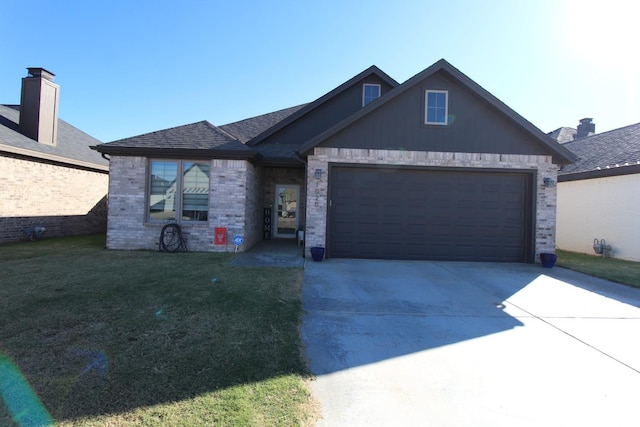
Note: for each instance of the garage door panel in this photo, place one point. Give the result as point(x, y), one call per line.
point(427, 214)
point(417, 229)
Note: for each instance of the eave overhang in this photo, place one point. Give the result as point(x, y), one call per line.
point(282, 162)
point(250, 155)
point(53, 158)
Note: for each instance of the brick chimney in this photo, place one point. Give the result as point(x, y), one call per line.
point(39, 106)
point(585, 128)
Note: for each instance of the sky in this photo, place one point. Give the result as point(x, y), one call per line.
point(130, 67)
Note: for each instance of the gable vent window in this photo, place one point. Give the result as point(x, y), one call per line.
point(437, 106)
point(370, 92)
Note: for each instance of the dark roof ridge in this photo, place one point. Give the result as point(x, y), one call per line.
point(214, 127)
point(560, 153)
point(324, 98)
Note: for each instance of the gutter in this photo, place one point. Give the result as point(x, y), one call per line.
point(54, 158)
point(601, 173)
point(250, 155)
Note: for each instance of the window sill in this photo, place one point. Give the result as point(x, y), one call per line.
point(183, 224)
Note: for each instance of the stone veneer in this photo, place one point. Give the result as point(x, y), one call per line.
point(545, 215)
point(234, 189)
point(66, 200)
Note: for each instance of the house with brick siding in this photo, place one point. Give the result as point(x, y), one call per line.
point(51, 182)
point(435, 168)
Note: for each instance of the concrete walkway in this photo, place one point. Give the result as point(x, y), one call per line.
point(271, 253)
point(398, 343)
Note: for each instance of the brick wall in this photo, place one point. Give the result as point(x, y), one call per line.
point(231, 181)
point(317, 189)
point(254, 203)
point(63, 199)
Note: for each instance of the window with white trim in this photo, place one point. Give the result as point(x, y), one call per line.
point(436, 107)
point(370, 92)
point(178, 186)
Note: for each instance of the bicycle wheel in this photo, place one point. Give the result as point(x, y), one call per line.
point(170, 238)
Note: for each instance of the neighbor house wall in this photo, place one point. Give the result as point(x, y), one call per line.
point(600, 208)
point(65, 200)
point(545, 213)
point(128, 227)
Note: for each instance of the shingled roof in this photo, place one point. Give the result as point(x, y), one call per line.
point(563, 134)
point(203, 138)
point(605, 152)
point(247, 129)
point(244, 138)
point(71, 148)
point(200, 139)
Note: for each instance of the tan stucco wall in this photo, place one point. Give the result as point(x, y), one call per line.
point(316, 227)
point(603, 208)
point(64, 199)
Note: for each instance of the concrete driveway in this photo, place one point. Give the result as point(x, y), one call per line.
point(397, 343)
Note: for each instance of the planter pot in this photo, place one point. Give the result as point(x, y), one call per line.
point(317, 253)
point(548, 260)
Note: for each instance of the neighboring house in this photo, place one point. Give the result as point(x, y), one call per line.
point(435, 168)
point(51, 182)
point(567, 134)
point(599, 195)
point(563, 134)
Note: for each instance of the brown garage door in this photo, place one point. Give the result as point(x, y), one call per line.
point(418, 214)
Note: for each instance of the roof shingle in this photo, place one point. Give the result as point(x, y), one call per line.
point(72, 145)
point(247, 129)
point(200, 139)
point(615, 148)
point(199, 136)
point(563, 134)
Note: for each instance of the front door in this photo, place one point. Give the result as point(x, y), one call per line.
point(286, 210)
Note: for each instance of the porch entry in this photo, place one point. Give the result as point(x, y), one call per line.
point(286, 212)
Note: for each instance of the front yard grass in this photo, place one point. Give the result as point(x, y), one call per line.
point(121, 338)
point(616, 270)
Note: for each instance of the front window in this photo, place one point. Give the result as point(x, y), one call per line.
point(436, 107)
point(171, 192)
point(370, 92)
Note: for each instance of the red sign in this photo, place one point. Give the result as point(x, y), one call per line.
point(220, 234)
